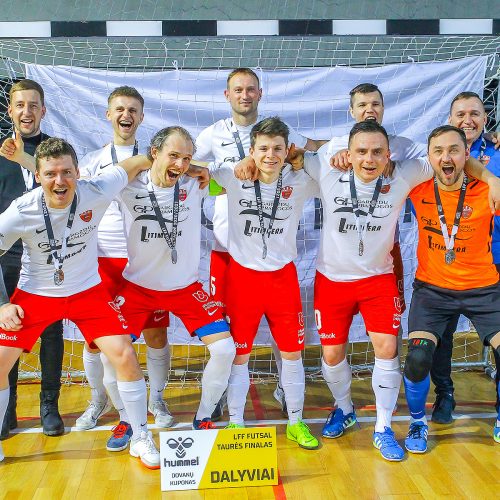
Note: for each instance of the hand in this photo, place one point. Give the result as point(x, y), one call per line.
point(494, 194)
point(246, 170)
point(340, 161)
point(11, 316)
point(201, 173)
point(13, 149)
point(295, 157)
point(493, 137)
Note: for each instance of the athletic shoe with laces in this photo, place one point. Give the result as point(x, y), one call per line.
point(203, 425)
point(279, 395)
point(120, 436)
point(301, 434)
point(234, 425)
point(442, 408)
point(145, 449)
point(219, 408)
point(496, 432)
point(163, 417)
point(388, 446)
point(95, 410)
point(416, 440)
point(337, 422)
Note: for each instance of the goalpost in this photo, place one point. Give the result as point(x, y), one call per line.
point(305, 79)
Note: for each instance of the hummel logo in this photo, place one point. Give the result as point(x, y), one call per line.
point(140, 197)
point(223, 144)
point(247, 187)
point(104, 166)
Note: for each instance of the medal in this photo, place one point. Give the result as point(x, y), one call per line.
point(174, 256)
point(58, 277)
point(449, 256)
point(361, 248)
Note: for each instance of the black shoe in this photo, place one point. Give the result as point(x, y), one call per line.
point(52, 422)
point(10, 420)
point(219, 409)
point(444, 405)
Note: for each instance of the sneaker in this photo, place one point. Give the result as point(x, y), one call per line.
point(163, 417)
point(442, 408)
point(120, 437)
point(234, 425)
point(203, 425)
point(388, 446)
point(301, 434)
point(2, 456)
point(219, 409)
point(279, 395)
point(145, 449)
point(96, 409)
point(337, 422)
point(496, 433)
point(416, 440)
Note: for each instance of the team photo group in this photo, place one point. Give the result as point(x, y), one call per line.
point(111, 241)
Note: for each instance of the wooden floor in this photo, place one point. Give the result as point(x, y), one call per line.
point(463, 461)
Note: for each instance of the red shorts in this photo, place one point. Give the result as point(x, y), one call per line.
point(110, 271)
point(273, 294)
point(92, 311)
point(145, 308)
point(218, 268)
point(336, 303)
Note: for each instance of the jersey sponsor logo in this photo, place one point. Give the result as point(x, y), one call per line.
point(180, 446)
point(45, 247)
point(224, 144)
point(11, 338)
point(286, 192)
point(428, 222)
point(344, 226)
point(240, 346)
point(182, 195)
point(201, 295)
point(385, 189)
point(466, 212)
point(232, 159)
point(86, 216)
point(327, 336)
point(147, 235)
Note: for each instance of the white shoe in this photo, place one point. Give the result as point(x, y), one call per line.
point(163, 417)
point(2, 456)
point(96, 409)
point(279, 395)
point(145, 449)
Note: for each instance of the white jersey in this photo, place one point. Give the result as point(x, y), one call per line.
point(401, 147)
point(216, 143)
point(338, 256)
point(149, 256)
point(111, 239)
point(245, 234)
point(24, 219)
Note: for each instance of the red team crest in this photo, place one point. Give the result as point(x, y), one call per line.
point(286, 192)
point(385, 188)
point(86, 216)
point(182, 194)
point(466, 212)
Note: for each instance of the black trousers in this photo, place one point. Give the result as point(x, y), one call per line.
point(52, 343)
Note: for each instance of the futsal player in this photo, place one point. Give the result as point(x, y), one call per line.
point(57, 223)
point(455, 273)
point(162, 215)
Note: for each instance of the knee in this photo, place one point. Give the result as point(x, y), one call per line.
point(333, 357)
point(223, 349)
point(418, 361)
point(155, 337)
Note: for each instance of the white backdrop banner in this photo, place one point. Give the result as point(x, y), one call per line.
point(313, 100)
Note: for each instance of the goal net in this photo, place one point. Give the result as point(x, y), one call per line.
point(305, 80)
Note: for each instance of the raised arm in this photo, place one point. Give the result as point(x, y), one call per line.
point(13, 150)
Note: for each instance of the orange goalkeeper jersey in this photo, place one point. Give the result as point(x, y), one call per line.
point(473, 267)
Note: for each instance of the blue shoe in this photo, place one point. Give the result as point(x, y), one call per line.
point(337, 422)
point(203, 425)
point(416, 440)
point(496, 432)
point(120, 438)
point(388, 446)
point(219, 408)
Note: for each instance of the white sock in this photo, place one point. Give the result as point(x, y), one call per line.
point(339, 378)
point(423, 420)
point(278, 360)
point(215, 376)
point(386, 381)
point(134, 395)
point(158, 364)
point(237, 390)
point(294, 385)
point(109, 381)
point(95, 373)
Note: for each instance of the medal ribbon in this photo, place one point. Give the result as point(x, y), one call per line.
point(114, 157)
